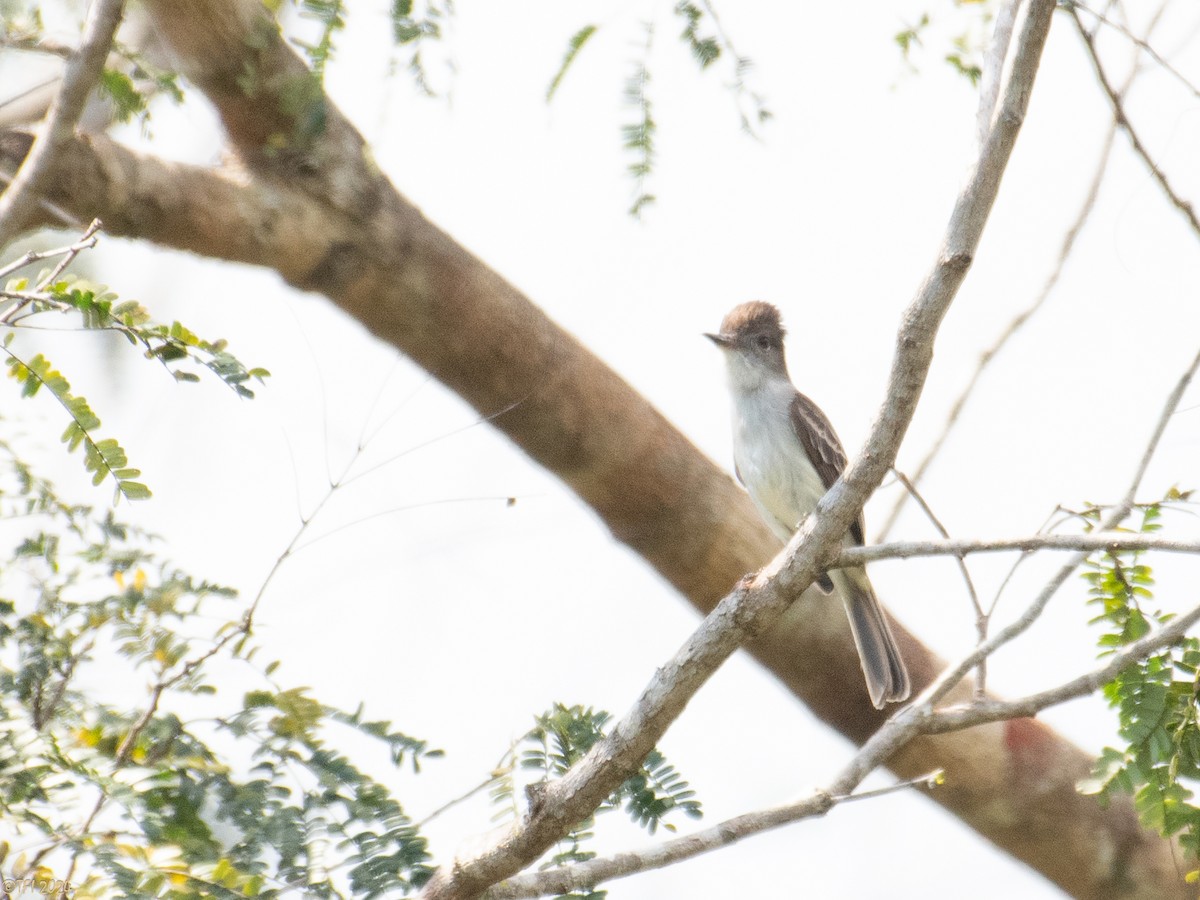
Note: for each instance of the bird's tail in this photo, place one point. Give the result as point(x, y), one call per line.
point(887, 679)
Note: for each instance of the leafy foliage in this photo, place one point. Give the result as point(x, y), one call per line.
point(706, 39)
point(252, 798)
point(413, 27)
point(330, 16)
point(578, 39)
point(95, 307)
point(131, 83)
point(908, 39)
point(963, 24)
point(103, 457)
point(705, 49)
point(561, 737)
point(1155, 699)
point(132, 88)
point(639, 136)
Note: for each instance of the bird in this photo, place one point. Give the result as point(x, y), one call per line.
point(787, 455)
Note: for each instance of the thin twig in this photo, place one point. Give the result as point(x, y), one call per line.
point(1018, 322)
point(36, 44)
point(982, 712)
point(587, 875)
point(1141, 44)
point(82, 72)
point(86, 241)
point(461, 798)
point(941, 529)
point(952, 675)
point(1015, 325)
point(1047, 527)
point(24, 298)
point(1118, 107)
point(1160, 427)
point(1096, 541)
point(981, 618)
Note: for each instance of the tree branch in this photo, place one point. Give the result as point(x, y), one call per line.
point(588, 874)
point(82, 72)
point(1118, 106)
point(751, 608)
point(993, 65)
point(1092, 543)
point(1142, 44)
point(1018, 322)
point(985, 711)
point(323, 216)
point(949, 678)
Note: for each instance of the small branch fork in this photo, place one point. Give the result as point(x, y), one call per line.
point(39, 293)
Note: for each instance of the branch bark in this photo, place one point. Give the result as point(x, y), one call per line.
point(323, 216)
point(82, 73)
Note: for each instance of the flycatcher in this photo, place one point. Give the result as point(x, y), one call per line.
point(787, 455)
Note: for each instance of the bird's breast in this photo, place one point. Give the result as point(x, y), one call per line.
point(772, 462)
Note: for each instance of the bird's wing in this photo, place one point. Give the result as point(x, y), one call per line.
point(824, 450)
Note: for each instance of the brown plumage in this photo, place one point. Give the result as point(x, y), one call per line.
point(787, 455)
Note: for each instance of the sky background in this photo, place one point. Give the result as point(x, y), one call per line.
point(458, 617)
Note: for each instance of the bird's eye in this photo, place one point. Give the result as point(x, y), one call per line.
point(763, 342)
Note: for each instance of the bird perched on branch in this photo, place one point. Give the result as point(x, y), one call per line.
point(787, 455)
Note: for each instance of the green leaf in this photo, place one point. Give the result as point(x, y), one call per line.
point(577, 42)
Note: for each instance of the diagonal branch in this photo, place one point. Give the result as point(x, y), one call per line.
point(82, 72)
point(949, 678)
point(587, 875)
point(1001, 341)
point(753, 607)
point(1019, 321)
point(993, 65)
point(983, 712)
point(1144, 45)
point(314, 208)
point(1118, 107)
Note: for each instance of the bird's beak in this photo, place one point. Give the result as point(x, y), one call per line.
point(719, 339)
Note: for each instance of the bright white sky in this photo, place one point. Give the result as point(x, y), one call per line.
point(459, 621)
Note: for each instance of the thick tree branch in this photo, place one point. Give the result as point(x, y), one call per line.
point(323, 216)
point(82, 72)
